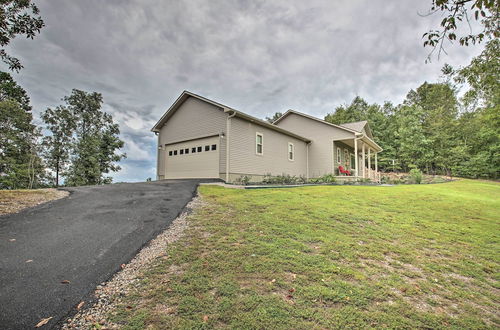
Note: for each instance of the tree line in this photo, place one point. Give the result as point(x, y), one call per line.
point(434, 129)
point(78, 142)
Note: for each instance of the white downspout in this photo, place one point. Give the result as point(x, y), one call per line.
point(228, 127)
point(158, 155)
point(307, 160)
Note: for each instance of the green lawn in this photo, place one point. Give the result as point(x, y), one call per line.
point(408, 256)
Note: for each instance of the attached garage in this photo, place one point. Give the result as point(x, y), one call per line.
point(193, 159)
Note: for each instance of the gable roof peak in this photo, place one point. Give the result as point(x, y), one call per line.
point(288, 112)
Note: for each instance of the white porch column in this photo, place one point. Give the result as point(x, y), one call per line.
point(376, 164)
point(363, 153)
point(356, 170)
point(369, 163)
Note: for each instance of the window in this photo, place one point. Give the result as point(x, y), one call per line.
point(346, 157)
point(181, 151)
point(214, 147)
point(170, 153)
point(207, 148)
point(193, 150)
point(353, 161)
point(339, 156)
point(186, 151)
point(175, 152)
point(291, 151)
point(259, 144)
point(199, 149)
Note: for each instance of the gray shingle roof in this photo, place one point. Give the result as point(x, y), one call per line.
point(355, 126)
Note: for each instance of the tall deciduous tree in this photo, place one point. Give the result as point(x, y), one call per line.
point(97, 140)
point(60, 123)
point(17, 17)
point(439, 112)
point(480, 125)
point(20, 164)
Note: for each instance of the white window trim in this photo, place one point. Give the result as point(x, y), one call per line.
point(262, 144)
point(352, 165)
point(293, 152)
point(346, 154)
point(339, 156)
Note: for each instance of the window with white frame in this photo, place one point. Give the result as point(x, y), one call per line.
point(259, 144)
point(339, 156)
point(346, 157)
point(291, 151)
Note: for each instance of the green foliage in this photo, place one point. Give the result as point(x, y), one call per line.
point(244, 180)
point(60, 122)
point(274, 117)
point(416, 175)
point(84, 138)
point(18, 17)
point(455, 13)
point(20, 164)
point(9, 89)
point(281, 179)
point(327, 178)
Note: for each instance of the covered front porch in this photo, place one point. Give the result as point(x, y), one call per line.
point(358, 156)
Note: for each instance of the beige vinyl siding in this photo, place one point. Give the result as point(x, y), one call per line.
point(194, 119)
point(321, 150)
point(244, 159)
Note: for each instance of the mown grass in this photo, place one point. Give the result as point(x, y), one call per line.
point(416, 256)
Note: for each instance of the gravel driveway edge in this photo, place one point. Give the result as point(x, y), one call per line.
point(107, 295)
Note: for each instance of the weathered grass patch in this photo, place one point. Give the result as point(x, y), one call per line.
point(12, 201)
point(330, 257)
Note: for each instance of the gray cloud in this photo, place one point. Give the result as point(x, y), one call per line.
point(257, 56)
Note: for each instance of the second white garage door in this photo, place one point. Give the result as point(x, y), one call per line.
point(193, 159)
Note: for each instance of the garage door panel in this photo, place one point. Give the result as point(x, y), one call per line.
point(204, 164)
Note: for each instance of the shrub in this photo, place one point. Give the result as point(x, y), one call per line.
point(283, 179)
point(327, 178)
point(416, 175)
point(244, 180)
point(301, 179)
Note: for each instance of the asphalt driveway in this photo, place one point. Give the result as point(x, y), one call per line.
point(83, 239)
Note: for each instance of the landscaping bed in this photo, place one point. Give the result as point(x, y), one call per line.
point(413, 256)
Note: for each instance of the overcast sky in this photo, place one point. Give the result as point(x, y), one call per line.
point(256, 56)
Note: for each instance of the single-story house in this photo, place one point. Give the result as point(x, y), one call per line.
point(201, 138)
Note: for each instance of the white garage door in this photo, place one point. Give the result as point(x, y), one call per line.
point(193, 159)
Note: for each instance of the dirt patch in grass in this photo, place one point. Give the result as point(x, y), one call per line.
point(13, 201)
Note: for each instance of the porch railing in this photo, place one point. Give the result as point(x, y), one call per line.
point(372, 174)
